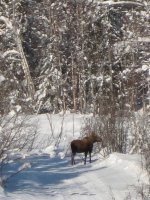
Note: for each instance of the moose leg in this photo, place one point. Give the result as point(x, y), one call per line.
point(72, 159)
point(85, 157)
point(90, 157)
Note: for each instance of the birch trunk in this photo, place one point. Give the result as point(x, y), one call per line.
point(25, 66)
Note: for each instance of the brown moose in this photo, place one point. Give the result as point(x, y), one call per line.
point(84, 145)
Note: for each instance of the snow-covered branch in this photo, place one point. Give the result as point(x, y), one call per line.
point(10, 52)
point(121, 3)
point(7, 22)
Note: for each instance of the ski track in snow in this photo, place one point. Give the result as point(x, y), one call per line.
point(56, 179)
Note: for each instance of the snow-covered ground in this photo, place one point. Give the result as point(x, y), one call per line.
point(51, 175)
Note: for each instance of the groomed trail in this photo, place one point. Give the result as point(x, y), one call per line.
point(55, 179)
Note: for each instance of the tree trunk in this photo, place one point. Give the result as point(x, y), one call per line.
point(25, 66)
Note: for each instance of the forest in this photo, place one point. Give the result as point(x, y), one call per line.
point(82, 56)
point(77, 66)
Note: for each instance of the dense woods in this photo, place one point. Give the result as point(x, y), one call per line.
point(85, 56)
point(76, 56)
point(79, 56)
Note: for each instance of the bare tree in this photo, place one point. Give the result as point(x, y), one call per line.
point(17, 134)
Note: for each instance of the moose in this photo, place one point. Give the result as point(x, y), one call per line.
point(84, 145)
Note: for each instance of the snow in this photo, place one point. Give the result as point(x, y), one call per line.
point(6, 21)
point(120, 3)
point(10, 52)
point(2, 78)
point(49, 174)
point(145, 67)
point(24, 166)
point(131, 41)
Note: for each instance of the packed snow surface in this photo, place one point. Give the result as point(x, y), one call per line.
point(49, 174)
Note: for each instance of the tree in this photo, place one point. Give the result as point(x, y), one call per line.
point(82, 55)
point(17, 134)
point(12, 50)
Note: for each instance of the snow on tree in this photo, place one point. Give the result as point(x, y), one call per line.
point(84, 56)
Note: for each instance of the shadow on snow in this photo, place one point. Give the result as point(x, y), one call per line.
point(45, 172)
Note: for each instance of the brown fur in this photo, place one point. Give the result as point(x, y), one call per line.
point(84, 146)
